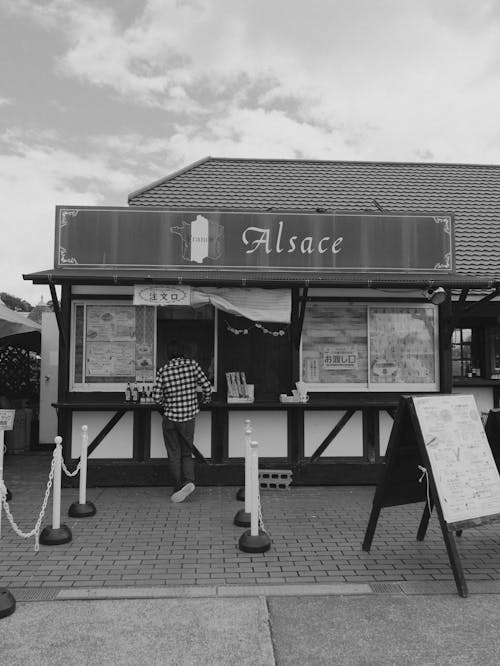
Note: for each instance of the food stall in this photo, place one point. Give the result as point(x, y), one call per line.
point(349, 308)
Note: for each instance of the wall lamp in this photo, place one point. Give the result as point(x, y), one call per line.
point(435, 296)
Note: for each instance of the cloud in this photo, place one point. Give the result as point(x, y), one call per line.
point(358, 80)
point(36, 173)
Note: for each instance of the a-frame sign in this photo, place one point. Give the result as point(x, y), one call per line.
point(441, 437)
point(492, 429)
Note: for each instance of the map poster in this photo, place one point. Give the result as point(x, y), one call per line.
point(403, 346)
point(464, 471)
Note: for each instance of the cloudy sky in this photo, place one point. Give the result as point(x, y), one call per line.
point(98, 98)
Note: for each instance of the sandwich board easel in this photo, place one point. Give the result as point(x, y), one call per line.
point(441, 439)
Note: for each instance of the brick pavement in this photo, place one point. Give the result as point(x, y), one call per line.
point(139, 538)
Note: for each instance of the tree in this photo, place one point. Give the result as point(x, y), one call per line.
point(15, 303)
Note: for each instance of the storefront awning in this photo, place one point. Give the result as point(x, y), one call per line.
point(249, 278)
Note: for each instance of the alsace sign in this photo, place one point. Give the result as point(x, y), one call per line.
point(148, 238)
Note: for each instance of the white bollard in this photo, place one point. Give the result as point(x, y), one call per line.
point(56, 485)
point(56, 534)
point(242, 517)
point(254, 540)
point(83, 508)
point(83, 464)
point(1, 473)
point(248, 441)
point(254, 488)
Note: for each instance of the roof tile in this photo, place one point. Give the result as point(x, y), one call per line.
point(471, 192)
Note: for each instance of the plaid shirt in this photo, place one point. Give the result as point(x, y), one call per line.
point(175, 389)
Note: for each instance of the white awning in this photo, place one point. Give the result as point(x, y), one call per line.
point(270, 305)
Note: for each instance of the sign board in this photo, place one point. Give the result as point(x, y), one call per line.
point(438, 453)
point(162, 295)
point(492, 429)
point(7, 419)
point(142, 238)
point(463, 467)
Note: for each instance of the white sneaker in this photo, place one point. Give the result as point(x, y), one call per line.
point(184, 492)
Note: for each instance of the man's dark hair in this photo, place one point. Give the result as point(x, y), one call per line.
point(175, 349)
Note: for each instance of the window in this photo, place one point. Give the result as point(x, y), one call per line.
point(370, 347)
point(113, 342)
point(461, 352)
point(195, 328)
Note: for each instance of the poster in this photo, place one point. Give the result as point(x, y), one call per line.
point(402, 345)
point(463, 467)
point(114, 344)
point(334, 345)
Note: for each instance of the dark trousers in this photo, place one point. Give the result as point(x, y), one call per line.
point(178, 437)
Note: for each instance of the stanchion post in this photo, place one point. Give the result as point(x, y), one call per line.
point(254, 489)
point(57, 533)
point(241, 494)
point(7, 600)
point(242, 517)
point(82, 508)
point(254, 540)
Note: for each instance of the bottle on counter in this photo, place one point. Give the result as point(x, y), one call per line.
point(128, 393)
point(143, 395)
point(135, 393)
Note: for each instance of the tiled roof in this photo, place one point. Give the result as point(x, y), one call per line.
point(470, 192)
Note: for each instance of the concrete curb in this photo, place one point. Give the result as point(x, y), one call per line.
point(26, 594)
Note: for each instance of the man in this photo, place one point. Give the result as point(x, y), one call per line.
point(175, 392)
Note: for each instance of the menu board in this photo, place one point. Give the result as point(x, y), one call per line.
point(464, 471)
point(114, 343)
point(374, 347)
point(402, 345)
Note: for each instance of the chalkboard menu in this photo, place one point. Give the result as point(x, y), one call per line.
point(438, 453)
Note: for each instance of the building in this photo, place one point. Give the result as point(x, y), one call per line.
point(363, 280)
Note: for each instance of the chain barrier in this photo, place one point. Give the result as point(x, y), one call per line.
point(66, 470)
point(36, 530)
point(261, 519)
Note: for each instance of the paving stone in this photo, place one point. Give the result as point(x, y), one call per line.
point(139, 537)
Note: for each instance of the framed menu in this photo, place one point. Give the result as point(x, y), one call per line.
point(112, 344)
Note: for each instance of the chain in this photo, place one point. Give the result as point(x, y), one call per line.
point(259, 510)
point(36, 530)
point(66, 470)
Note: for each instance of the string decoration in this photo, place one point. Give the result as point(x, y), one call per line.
point(245, 331)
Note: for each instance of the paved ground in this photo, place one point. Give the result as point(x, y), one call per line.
point(139, 538)
point(148, 581)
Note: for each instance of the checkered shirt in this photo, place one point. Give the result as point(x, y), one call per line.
point(175, 389)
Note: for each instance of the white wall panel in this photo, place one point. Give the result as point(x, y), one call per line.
point(385, 427)
point(317, 425)
point(117, 444)
point(268, 428)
